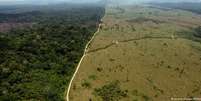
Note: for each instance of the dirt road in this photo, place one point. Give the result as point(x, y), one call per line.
point(78, 66)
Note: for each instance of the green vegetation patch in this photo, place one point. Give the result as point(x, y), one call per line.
point(198, 32)
point(86, 84)
point(37, 63)
point(110, 92)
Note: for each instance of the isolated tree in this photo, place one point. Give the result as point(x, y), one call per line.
point(198, 31)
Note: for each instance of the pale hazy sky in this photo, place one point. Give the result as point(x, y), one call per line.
point(57, 1)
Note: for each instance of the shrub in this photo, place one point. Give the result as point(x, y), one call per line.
point(86, 84)
point(198, 32)
point(110, 92)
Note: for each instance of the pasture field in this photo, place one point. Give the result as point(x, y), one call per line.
point(141, 53)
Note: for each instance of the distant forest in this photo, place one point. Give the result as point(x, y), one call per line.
point(189, 6)
point(37, 61)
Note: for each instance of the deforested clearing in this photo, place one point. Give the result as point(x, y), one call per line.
point(142, 53)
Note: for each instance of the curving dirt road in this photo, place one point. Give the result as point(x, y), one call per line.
point(78, 66)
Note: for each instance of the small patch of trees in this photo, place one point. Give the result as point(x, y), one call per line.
point(86, 84)
point(198, 32)
point(111, 92)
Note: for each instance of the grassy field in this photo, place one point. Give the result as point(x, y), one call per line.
point(141, 53)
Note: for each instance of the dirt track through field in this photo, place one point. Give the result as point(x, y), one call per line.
point(123, 41)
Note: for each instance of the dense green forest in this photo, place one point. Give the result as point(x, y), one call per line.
point(37, 62)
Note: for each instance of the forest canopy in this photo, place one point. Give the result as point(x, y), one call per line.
point(37, 62)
